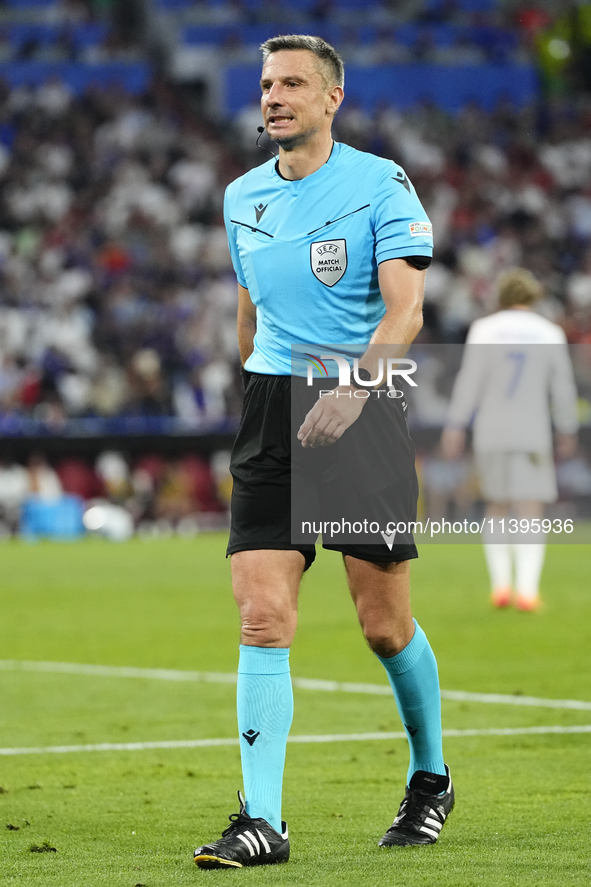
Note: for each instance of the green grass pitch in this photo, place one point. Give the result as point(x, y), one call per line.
point(125, 818)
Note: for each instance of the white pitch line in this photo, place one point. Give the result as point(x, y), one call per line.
point(118, 671)
point(499, 699)
point(167, 674)
point(334, 737)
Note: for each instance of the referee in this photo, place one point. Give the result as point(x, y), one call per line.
point(279, 217)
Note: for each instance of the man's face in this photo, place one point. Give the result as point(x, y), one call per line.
point(296, 101)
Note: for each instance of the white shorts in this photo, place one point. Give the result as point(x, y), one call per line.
point(515, 477)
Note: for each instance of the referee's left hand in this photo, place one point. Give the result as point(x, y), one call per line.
point(330, 417)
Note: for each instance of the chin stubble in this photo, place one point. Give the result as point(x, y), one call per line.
point(288, 143)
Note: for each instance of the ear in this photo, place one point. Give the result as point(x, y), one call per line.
point(334, 98)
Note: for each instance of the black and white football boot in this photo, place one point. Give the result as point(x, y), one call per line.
point(428, 801)
point(246, 841)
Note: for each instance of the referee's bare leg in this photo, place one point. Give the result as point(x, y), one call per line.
point(381, 594)
point(266, 585)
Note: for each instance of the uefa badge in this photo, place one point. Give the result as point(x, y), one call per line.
point(328, 259)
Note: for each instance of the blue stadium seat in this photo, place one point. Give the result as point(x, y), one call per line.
point(353, 4)
point(194, 35)
point(477, 5)
point(23, 32)
point(367, 33)
point(441, 34)
point(83, 36)
point(173, 5)
point(490, 38)
point(257, 34)
point(299, 5)
point(132, 77)
point(29, 4)
point(90, 34)
point(463, 5)
point(254, 35)
point(250, 5)
point(407, 34)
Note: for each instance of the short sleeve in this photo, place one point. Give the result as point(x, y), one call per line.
point(401, 225)
point(234, 254)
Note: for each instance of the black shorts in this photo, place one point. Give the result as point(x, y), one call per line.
point(267, 459)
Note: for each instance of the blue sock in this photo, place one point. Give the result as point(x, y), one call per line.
point(413, 677)
point(264, 701)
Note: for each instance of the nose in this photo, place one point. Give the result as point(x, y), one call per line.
point(273, 96)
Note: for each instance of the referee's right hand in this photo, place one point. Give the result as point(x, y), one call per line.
point(330, 417)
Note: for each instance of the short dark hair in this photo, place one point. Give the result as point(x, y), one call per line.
point(323, 50)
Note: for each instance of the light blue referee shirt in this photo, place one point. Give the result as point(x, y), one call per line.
point(308, 251)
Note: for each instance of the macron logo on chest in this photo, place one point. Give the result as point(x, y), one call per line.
point(260, 211)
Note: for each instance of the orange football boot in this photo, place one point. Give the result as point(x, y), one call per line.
point(501, 598)
point(527, 604)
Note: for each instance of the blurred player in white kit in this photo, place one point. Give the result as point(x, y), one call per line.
point(514, 389)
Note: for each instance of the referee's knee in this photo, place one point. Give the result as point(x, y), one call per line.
point(385, 644)
point(265, 631)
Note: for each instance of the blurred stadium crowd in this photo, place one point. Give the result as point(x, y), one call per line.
point(115, 287)
point(154, 496)
point(117, 296)
point(116, 292)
